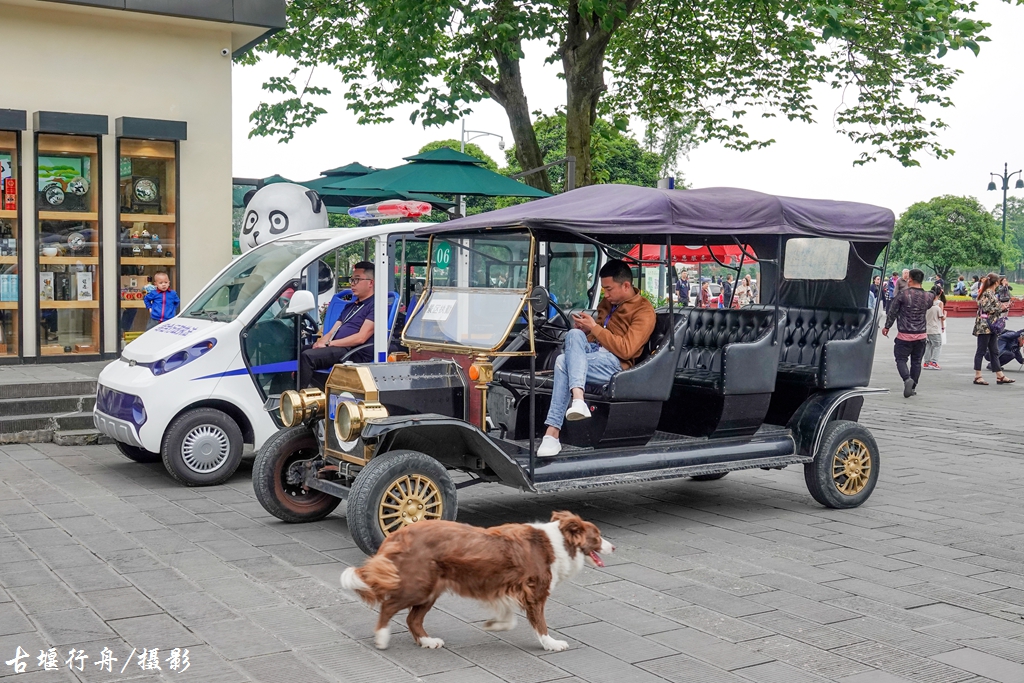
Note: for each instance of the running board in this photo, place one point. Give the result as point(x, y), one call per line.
point(673, 473)
point(664, 460)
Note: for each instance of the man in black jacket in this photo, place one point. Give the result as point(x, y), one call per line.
point(909, 309)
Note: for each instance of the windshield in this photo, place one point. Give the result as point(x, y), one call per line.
point(226, 297)
point(477, 287)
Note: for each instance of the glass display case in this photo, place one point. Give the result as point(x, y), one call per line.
point(10, 232)
point(68, 209)
point(148, 242)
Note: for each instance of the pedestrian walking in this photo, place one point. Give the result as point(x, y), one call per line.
point(704, 298)
point(989, 324)
point(889, 291)
point(743, 291)
point(909, 310)
point(904, 281)
point(935, 322)
point(874, 291)
point(939, 282)
point(727, 293)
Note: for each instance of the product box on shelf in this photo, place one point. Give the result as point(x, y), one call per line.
point(46, 286)
point(83, 285)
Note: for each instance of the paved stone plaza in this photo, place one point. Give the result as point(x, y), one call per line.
point(742, 579)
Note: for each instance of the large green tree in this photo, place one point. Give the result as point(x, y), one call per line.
point(947, 233)
point(706, 62)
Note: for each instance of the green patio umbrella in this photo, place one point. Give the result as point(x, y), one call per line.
point(339, 200)
point(441, 171)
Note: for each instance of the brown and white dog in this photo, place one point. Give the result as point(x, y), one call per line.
point(504, 566)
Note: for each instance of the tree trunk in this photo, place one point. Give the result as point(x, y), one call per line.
point(508, 92)
point(582, 50)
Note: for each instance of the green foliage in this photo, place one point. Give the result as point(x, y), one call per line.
point(947, 233)
point(706, 64)
point(616, 157)
point(710, 63)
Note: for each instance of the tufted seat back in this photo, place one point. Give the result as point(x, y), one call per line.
point(709, 330)
point(807, 330)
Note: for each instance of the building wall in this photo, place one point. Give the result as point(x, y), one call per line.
point(139, 67)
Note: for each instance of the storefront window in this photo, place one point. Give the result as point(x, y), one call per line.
point(68, 189)
point(148, 243)
point(10, 183)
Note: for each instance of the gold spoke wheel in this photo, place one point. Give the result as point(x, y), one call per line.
point(409, 499)
point(851, 467)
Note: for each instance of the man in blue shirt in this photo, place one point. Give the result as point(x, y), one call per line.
point(354, 328)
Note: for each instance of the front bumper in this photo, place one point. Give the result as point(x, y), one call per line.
point(118, 430)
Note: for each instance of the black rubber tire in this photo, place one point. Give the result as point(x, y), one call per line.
point(818, 474)
point(137, 454)
point(372, 483)
point(709, 477)
point(181, 426)
point(286, 502)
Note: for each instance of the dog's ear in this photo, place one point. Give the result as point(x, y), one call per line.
point(571, 527)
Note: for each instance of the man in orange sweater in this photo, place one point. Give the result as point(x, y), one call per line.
point(597, 349)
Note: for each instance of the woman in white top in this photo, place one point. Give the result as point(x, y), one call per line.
point(743, 291)
point(935, 324)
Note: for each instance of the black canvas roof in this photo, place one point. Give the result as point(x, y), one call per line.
point(614, 210)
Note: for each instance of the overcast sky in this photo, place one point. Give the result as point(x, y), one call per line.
point(986, 128)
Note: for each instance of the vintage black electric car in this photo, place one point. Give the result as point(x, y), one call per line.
point(775, 383)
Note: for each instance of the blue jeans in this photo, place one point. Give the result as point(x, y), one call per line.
point(581, 362)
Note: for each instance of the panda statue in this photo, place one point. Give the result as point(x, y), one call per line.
point(286, 208)
point(278, 209)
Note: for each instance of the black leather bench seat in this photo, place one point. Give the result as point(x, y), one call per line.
point(825, 348)
point(728, 351)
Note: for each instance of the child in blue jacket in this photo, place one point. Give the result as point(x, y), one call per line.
point(162, 302)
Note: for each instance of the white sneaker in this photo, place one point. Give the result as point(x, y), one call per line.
point(549, 446)
point(578, 410)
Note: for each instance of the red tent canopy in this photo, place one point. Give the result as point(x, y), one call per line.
point(728, 254)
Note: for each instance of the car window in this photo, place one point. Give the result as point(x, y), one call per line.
point(572, 271)
point(816, 258)
point(227, 296)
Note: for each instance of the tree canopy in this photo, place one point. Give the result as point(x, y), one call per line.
point(707, 63)
point(947, 233)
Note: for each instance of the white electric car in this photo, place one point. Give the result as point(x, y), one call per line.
point(193, 390)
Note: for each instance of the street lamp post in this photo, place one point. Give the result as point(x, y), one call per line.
point(462, 148)
point(1005, 177)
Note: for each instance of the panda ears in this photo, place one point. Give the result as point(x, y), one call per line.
point(315, 200)
point(248, 197)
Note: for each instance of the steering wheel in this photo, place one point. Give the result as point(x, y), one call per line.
point(561, 314)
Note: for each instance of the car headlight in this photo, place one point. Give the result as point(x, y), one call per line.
point(351, 416)
point(298, 406)
point(180, 358)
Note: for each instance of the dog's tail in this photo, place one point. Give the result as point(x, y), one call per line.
point(373, 581)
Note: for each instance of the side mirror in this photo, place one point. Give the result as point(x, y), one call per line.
point(540, 300)
point(302, 302)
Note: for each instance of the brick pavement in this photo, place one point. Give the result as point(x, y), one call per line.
point(742, 579)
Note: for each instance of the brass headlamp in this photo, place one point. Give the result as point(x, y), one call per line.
point(351, 416)
point(299, 406)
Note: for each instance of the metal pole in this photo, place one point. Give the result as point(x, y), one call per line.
point(460, 200)
point(570, 173)
point(1006, 186)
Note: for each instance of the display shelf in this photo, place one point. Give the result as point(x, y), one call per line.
point(69, 260)
point(8, 260)
point(8, 305)
point(69, 304)
point(5, 213)
point(134, 303)
point(147, 261)
point(148, 218)
point(68, 216)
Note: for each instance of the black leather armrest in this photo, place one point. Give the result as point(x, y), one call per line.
point(847, 362)
point(750, 368)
